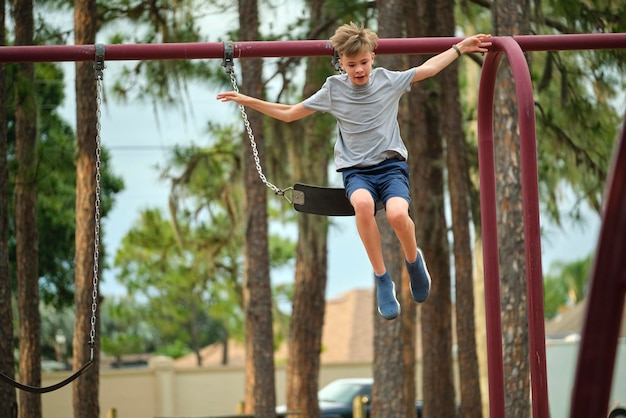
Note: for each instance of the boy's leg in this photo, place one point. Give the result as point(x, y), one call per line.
point(388, 305)
point(397, 209)
point(364, 209)
point(399, 219)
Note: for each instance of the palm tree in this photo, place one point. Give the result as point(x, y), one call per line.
point(394, 342)
point(511, 17)
point(260, 396)
point(458, 187)
point(85, 390)
point(26, 217)
point(309, 163)
point(7, 367)
point(427, 189)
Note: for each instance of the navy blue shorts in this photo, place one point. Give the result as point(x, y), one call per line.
point(384, 181)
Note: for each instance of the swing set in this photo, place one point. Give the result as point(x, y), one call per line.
point(598, 345)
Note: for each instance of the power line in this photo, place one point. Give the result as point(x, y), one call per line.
point(140, 147)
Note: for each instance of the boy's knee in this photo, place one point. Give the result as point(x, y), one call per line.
point(397, 218)
point(362, 202)
point(363, 206)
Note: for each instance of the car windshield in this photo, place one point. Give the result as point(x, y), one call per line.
point(342, 392)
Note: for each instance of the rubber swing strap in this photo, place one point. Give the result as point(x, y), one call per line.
point(45, 389)
point(326, 201)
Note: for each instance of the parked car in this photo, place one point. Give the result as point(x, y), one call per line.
point(336, 398)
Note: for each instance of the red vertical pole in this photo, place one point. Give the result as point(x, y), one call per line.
point(532, 231)
point(605, 300)
point(489, 225)
point(532, 235)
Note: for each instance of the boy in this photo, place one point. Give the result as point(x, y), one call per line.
point(369, 151)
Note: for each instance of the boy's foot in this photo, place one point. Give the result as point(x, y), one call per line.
point(419, 278)
point(388, 305)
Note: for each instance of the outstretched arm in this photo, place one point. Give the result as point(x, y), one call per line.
point(476, 43)
point(286, 113)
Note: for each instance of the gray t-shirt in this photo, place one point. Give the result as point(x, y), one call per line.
point(367, 116)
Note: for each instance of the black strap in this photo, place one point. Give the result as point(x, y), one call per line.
point(46, 389)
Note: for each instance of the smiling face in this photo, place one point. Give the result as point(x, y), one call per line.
point(358, 67)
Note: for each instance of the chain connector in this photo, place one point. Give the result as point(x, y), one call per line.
point(335, 61)
point(99, 65)
point(283, 193)
point(229, 53)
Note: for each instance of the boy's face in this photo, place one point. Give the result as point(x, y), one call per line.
point(358, 67)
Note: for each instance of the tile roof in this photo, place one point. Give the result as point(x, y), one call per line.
point(347, 336)
point(571, 322)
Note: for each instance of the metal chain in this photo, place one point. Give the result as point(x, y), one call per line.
point(255, 152)
point(99, 66)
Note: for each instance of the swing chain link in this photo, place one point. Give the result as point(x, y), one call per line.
point(228, 64)
point(99, 67)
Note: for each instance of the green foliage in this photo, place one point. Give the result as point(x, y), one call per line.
point(55, 321)
point(56, 185)
point(580, 16)
point(164, 83)
point(577, 128)
point(188, 267)
point(186, 283)
point(565, 284)
point(124, 329)
point(577, 108)
point(282, 250)
point(175, 350)
point(578, 96)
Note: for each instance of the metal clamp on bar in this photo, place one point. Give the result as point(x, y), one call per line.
point(99, 65)
point(336, 63)
point(229, 53)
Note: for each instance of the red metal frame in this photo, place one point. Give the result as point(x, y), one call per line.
point(605, 300)
point(608, 281)
point(532, 233)
point(308, 48)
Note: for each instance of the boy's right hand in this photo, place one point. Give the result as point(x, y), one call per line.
point(229, 96)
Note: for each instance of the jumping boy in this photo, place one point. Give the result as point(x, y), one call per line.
point(369, 151)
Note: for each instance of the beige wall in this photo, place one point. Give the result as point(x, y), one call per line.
point(160, 390)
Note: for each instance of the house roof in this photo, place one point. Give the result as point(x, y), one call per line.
point(572, 320)
point(348, 332)
point(347, 335)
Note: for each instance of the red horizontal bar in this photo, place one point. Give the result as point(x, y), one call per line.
point(306, 48)
point(571, 42)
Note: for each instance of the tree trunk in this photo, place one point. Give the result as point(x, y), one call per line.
point(85, 389)
point(394, 341)
point(260, 397)
point(510, 17)
point(310, 158)
point(8, 398)
point(26, 217)
point(426, 150)
point(458, 187)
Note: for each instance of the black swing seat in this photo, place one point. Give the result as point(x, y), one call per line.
point(45, 389)
point(326, 201)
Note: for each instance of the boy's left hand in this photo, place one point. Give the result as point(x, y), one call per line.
point(476, 43)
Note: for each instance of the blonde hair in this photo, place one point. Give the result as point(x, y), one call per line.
point(350, 40)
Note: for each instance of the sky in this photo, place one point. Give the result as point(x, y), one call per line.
point(139, 142)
